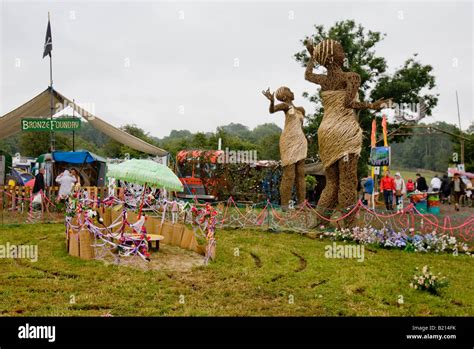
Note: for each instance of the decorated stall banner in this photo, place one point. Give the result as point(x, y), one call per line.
point(380, 156)
point(59, 124)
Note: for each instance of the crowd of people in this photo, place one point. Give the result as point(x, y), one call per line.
point(68, 180)
point(394, 189)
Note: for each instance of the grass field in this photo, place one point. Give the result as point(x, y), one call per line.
point(411, 174)
point(256, 273)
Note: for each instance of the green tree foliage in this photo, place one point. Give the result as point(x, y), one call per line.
point(90, 134)
point(10, 145)
point(238, 130)
point(115, 149)
point(405, 85)
point(263, 138)
point(33, 144)
point(431, 151)
point(36, 143)
point(468, 148)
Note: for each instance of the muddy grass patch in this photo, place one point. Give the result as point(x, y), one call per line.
point(168, 258)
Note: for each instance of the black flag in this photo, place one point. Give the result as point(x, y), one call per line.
point(48, 43)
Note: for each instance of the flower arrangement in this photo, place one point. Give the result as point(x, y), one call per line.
point(408, 241)
point(428, 281)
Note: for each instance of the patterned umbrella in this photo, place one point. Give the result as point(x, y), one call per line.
point(146, 172)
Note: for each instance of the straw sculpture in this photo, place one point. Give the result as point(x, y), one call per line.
point(293, 145)
point(339, 135)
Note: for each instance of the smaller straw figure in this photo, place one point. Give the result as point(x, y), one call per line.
point(293, 145)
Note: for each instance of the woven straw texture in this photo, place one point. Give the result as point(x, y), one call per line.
point(339, 133)
point(293, 143)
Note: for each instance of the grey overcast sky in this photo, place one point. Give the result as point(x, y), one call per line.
point(180, 65)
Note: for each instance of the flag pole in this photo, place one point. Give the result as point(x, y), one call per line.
point(460, 129)
point(51, 94)
point(73, 117)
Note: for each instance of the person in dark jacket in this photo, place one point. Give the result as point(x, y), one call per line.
point(445, 189)
point(39, 182)
point(457, 187)
point(421, 183)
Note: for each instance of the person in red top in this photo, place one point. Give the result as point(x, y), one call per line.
point(387, 186)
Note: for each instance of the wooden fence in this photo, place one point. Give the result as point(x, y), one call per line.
point(19, 198)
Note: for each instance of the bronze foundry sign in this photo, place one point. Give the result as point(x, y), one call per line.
point(59, 124)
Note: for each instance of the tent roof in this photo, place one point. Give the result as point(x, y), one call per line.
point(39, 106)
point(76, 157)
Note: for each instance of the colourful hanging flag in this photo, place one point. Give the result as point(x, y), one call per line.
point(373, 141)
point(384, 130)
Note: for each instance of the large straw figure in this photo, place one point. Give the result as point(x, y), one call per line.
point(293, 145)
point(339, 135)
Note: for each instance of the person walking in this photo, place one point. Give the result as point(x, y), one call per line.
point(445, 189)
point(421, 183)
point(38, 190)
point(66, 183)
point(435, 184)
point(39, 182)
point(410, 186)
point(469, 194)
point(400, 191)
point(368, 190)
point(457, 187)
point(75, 174)
point(387, 186)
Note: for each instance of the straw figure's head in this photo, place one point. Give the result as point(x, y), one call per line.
point(284, 94)
point(329, 53)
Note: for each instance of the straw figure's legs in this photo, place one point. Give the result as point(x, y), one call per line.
point(286, 186)
point(347, 193)
point(300, 182)
point(328, 199)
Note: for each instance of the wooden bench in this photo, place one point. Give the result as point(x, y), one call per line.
point(152, 237)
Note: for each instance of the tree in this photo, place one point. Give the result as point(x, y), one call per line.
point(426, 151)
point(116, 149)
point(238, 130)
point(404, 85)
point(36, 143)
point(10, 145)
point(468, 148)
point(92, 135)
point(269, 147)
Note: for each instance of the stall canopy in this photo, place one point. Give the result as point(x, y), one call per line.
point(76, 157)
point(39, 107)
